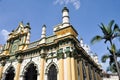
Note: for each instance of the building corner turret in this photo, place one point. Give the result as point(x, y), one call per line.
point(65, 17)
point(43, 35)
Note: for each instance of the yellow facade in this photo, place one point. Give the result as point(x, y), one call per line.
point(56, 57)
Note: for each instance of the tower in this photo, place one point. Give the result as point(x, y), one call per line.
point(65, 17)
point(43, 35)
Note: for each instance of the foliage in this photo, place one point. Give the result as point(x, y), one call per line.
point(110, 32)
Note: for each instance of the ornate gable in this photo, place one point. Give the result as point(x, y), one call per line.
point(18, 39)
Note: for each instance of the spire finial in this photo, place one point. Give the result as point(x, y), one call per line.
point(65, 17)
point(28, 25)
point(43, 35)
point(65, 8)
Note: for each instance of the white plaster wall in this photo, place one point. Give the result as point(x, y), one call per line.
point(6, 66)
point(14, 64)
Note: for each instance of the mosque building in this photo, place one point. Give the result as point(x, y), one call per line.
point(58, 57)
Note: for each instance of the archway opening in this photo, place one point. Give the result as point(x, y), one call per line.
point(52, 73)
point(31, 73)
point(10, 74)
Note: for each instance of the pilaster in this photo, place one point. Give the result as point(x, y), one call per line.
point(42, 66)
point(68, 65)
point(81, 69)
point(87, 72)
point(74, 71)
point(92, 71)
point(17, 75)
point(60, 56)
point(97, 76)
point(1, 68)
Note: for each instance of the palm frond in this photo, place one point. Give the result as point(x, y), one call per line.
point(112, 68)
point(104, 29)
point(113, 48)
point(111, 23)
point(109, 27)
point(116, 28)
point(105, 57)
point(96, 39)
point(118, 53)
point(111, 59)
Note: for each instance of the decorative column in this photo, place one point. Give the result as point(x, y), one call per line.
point(42, 66)
point(74, 66)
point(1, 68)
point(68, 65)
point(81, 69)
point(17, 75)
point(87, 72)
point(60, 56)
point(92, 71)
point(97, 75)
point(100, 74)
point(76, 69)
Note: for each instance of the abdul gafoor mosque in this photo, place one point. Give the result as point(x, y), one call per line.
point(58, 57)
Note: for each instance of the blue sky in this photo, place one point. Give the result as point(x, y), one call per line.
point(85, 15)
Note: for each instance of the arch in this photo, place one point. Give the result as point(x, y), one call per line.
point(52, 71)
point(52, 63)
point(27, 65)
point(9, 73)
point(30, 71)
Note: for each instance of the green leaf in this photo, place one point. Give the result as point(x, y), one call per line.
point(105, 57)
point(103, 28)
point(118, 53)
point(113, 48)
point(116, 28)
point(111, 23)
point(96, 39)
point(110, 26)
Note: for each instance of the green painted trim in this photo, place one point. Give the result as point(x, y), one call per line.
point(60, 54)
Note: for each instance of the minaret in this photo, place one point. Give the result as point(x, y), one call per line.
point(65, 17)
point(96, 58)
point(43, 35)
point(27, 29)
point(81, 42)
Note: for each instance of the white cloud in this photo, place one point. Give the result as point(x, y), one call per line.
point(75, 3)
point(4, 33)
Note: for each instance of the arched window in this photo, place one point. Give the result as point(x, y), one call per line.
point(10, 73)
point(31, 72)
point(52, 72)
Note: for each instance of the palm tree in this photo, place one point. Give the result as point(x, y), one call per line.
point(109, 34)
point(112, 66)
